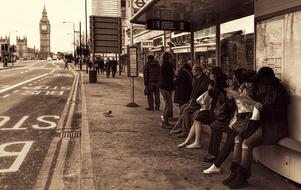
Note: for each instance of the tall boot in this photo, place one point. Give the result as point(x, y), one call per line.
point(240, 180)
point(233, 169)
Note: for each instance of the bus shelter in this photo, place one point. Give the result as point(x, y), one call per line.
point(277, 44)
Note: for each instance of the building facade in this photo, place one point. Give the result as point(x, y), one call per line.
point(110, 8)
point(44, 35)
point(21, 47)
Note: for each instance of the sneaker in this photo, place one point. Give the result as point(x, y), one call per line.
point(149, 109)
point(213, 170)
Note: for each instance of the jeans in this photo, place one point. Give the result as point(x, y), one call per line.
point(153, 92)
point(243, 148)
point(168, 107)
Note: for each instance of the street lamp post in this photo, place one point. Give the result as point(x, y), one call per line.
point(73, 35)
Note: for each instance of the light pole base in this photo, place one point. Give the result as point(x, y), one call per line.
point(132, 104)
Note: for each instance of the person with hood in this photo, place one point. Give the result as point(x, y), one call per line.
point(151, 75)
point(167, 85)
point(183, 84)
point(272, 102)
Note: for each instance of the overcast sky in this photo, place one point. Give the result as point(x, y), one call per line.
point(24, 16)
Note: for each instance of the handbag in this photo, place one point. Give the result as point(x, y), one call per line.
point(241, 125)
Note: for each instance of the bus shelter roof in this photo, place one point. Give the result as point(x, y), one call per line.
point(200, 13)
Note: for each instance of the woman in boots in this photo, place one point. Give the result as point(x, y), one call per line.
point(273, 125)
point(243, 83)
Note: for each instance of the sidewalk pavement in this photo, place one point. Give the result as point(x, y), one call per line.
point(131, 151)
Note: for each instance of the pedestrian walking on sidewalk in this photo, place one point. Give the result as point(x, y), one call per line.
point(151, 75)
point(167, 85)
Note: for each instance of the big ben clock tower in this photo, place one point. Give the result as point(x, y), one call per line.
point(44, 35)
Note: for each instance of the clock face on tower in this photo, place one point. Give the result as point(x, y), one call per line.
point(44, 27)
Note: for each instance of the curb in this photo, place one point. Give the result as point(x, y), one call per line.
point(44, 173)
point(87, 180)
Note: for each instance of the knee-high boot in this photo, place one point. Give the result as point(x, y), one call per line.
point(240, 181)
point(233, 169)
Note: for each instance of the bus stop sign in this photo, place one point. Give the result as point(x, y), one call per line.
point(155, 24)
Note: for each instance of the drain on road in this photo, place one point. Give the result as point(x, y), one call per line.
point(69, 133)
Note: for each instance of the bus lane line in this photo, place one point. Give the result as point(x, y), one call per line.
point(21, 83)
point(42, 178)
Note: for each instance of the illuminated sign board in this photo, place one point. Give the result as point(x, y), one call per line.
point(154, 24)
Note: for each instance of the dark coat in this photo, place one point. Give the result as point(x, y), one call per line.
point(273, 116)
point(223, 110)
point(183, 85)
point(166, 81)
point(114, 64)
point(151, 73)
point(199, 86)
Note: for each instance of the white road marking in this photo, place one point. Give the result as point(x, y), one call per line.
point(21, 83)
point(5, 119)
point(42, 119)
point(20, 156)
point(4, 86)
point(5, 96)
point(18, 125)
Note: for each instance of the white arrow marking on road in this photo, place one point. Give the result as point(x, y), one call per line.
point(21, 83)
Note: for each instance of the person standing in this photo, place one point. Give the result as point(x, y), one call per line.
point(108, 67)
point(167, 85)
point(183, 84)
point(66, 64)
point(101, 65)
point(114, 67)
point(97, 63)
point(151, 74)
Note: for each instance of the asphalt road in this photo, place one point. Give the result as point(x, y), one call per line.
point(32, 99)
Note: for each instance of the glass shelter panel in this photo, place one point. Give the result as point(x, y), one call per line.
point(278, 45)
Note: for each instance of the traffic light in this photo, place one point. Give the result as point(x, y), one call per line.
point(2, 47)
